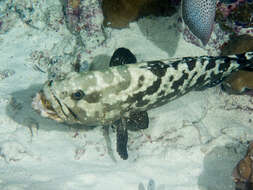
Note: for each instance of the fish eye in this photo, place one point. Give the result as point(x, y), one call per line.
point(78, 95)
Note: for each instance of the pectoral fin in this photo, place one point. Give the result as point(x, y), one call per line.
point(135, 121)
point(199, 16)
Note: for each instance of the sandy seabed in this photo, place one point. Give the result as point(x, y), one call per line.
point(192, 143)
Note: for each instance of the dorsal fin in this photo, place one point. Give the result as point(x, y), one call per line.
point(122, 56)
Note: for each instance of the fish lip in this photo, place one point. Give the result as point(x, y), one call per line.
point(46, 104)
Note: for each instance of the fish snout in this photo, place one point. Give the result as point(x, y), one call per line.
point(44, 107)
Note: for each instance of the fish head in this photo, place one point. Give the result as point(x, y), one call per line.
point(72, 100)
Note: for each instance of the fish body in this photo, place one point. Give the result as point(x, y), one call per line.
point(121, 94)
point(199, 16)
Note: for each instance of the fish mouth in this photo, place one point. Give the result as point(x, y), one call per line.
point(44, 105)
point(48, 105)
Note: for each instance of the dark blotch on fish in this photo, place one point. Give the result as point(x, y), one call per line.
point(180, 82)
point(191, 64)
point(157, 67)
point(211, 64)
point(224, 66)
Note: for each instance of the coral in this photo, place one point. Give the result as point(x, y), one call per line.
point(236, 17)
point(84, 19)
point(240, 82)
point(74, 27)
point(237, 44)
point(36, 14)
point(242, 173)
point(118, 13)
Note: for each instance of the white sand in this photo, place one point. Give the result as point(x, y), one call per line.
point(192, 143)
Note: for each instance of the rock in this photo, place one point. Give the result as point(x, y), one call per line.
point(235, 16)
point(119, 13)
point(240, 82)
point(242, 173)
point(84, 19)
point(238, 44)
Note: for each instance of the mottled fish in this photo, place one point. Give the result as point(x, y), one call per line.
point(199, 16)
point(121, 94)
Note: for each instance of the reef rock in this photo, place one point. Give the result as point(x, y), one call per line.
point(238, 44)
point(119, 13)
point(242, 173)
point(240, 82)
point(84, 19)
point(235, 16)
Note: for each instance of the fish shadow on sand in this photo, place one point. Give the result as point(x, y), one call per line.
point(166, 37)
point(100, 62)
point(21, 111)
point(218, 166)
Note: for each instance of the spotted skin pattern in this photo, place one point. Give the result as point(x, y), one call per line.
point(116, 92)
point(199, 16)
